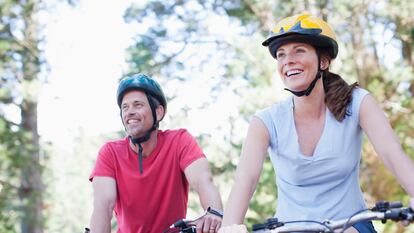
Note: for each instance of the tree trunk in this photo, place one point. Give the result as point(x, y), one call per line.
point(31, 174)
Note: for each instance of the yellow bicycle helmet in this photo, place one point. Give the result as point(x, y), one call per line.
point(303, 28)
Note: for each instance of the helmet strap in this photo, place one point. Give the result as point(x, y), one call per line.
point(147, 136)
point(138, 141)
point(308, 90)
point(153, 110)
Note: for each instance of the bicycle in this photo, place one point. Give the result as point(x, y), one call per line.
point(189, 226)
point(382, 210)
point(184, 225)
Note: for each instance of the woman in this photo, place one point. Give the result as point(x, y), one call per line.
point(314, 138)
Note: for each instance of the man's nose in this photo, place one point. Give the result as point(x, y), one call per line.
point(129, 112)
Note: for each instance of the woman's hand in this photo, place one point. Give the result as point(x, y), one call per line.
point(233, 229)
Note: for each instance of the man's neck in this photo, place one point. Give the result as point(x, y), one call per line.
point(147, 146)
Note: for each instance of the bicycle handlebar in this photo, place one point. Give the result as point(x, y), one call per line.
point(382, 211)
point(188, 226)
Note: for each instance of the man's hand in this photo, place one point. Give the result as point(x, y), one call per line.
point(234, 229)
point(210, 223)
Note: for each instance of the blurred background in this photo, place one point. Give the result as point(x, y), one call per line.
point(60, 62)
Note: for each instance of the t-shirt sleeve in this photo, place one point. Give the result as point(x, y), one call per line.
point(358, 95)
point(105, 164)
point(189, 150)
point(265, 115)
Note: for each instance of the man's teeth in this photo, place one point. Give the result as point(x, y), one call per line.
point(132, 121)
point(293, 72)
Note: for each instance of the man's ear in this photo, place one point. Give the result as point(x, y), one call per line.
point(160, 111)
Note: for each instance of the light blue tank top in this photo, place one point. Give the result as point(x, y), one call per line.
point(322, 186)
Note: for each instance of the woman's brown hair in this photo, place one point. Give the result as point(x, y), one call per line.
point(338, 94)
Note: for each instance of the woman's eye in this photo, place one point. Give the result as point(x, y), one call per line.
point(280, 55)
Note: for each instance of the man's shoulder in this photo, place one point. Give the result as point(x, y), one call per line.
point(174, 132)
point(116, 143)
point(176, 136)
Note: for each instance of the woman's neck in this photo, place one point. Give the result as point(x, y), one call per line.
point(312, 106)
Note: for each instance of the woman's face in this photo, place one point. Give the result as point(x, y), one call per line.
point(297, 64)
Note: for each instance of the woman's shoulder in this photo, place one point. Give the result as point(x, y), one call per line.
point(359, 93)
point(277, 108)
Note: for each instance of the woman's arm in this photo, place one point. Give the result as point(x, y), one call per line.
point(247, 173)
point(375, 124)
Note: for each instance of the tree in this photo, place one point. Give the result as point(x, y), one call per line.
point(178, 42)
point(21, 61)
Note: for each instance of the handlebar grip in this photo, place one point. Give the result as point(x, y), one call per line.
point(271, 223)
point(182, 223)
point(400, 214)
point(395, 204)
point(393, 215)
point(191, 229)
point(383, 206)
point(259, 226)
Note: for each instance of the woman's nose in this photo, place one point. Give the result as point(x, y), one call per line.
point(290, 58)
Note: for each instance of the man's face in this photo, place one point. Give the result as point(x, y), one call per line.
point(136, 113)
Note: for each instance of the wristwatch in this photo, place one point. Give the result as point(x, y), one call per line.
point(213, 211)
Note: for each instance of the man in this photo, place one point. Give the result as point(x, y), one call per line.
point(144, 177)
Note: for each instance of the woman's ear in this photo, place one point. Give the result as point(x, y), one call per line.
point(325, 62)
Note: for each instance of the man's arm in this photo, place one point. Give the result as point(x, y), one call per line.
point(104, 195)
point(199, 176)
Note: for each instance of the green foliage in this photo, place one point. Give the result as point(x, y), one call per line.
point(240, 63)
point(182, 43)
point(20, 166)
point(361, 58)
point(8, 181)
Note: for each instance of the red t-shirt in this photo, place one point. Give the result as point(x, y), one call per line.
point(155, 199)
